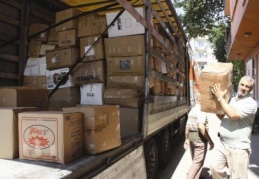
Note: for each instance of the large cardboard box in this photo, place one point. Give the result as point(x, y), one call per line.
point(124, 97)
point(213, 73)
point(125, 46)
point(101, 127)
point(133, 82)
point(9, 148)
point(67, 38)
point(35, 81)
point(36, 28)
point(91, 24)
point(55, 76)
point(92, 94)
point(61, 57)
point(35, 67)
point(91, 72)
point(125, 25)
point(66, 14)
point(50, 136)
point(96, 52)
point(64, 97)
point(24, 97)
point(134, 65)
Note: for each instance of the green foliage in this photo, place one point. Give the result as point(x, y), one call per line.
point(200, 15)
point(206, 17)
point(238, 72)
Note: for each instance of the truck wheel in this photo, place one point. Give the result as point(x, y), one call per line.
point(151, 158)
point(164, 147)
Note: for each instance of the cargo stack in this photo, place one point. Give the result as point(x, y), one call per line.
point(165, 79)
point(61, 59)
point(35, 72)
point(125, 64)
point(89, 74)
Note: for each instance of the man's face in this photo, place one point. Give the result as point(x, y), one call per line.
point(244, 88)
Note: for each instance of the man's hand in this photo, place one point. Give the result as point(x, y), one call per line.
point(216, 90)
point(211, 145)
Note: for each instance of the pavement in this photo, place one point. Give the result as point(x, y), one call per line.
point(184, 164)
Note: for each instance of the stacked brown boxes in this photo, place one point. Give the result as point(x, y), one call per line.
point(125, 63)
point(90, 73)
point(165, 75)
point(61, 59)
point(215, 73)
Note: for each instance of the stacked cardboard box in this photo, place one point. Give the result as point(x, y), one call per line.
point(90, 73)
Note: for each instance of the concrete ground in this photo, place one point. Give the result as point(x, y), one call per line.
point(183, 166)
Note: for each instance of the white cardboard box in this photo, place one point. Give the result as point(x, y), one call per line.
point(54, 76)
point(125, 25)
point(92, 94)
point(35, 67)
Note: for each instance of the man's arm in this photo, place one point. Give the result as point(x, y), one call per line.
point(202, 129)
point(227, 108)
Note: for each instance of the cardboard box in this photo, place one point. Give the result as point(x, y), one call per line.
point(67, 38)
point(53, 36)
point(125, 25)
point(92, 94)
point(66, 14)
point(45, 47)
point(61, 57)
point(34, 49)
point(124, 97)
point(134, 65)
point(132, 82)
point(50, 136)
point(213, 73)
point(54, 77)
point(125, 46)
point(130, 120)
point(64, 97)
point(91, 24)
point(36, 28)
point(96, 52)
point(35, 81)
point(91, 72)
point(9, 148)
point(24, 97)
point(101, 127)
point(35, 67)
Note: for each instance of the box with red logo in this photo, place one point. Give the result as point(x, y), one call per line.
point(50, 136)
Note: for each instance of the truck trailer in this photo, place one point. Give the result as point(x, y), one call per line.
point(165, 80)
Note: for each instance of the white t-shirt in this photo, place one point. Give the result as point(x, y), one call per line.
point(236, 133)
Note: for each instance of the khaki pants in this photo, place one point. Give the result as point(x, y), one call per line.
point(198, 153)
point(236, 160)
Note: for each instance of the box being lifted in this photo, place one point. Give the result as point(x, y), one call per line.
point(213, 73)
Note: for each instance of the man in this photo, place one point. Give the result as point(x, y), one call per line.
point(235, 130)
point(196, 138)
